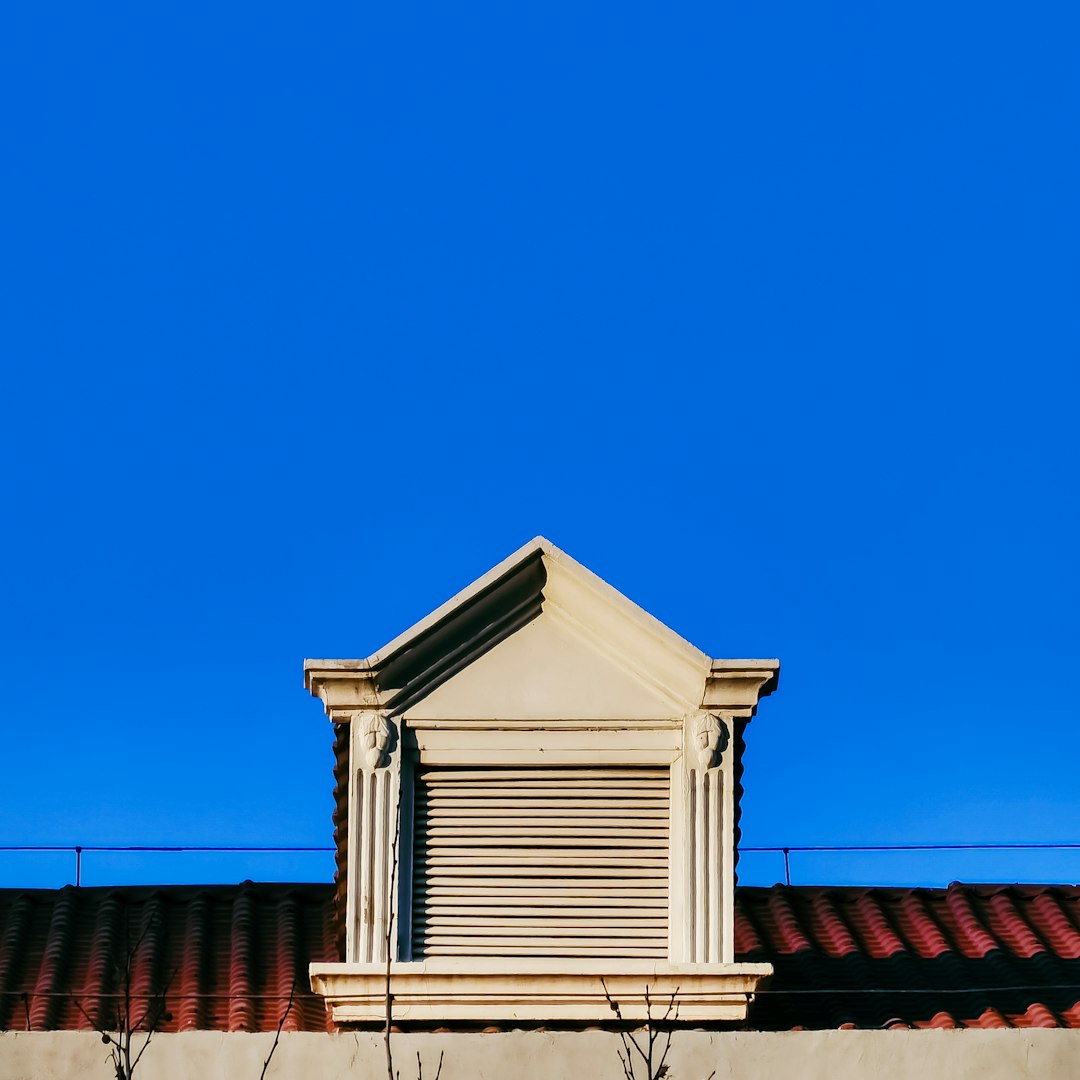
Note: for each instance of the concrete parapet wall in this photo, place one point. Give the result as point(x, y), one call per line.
point(811, 1055)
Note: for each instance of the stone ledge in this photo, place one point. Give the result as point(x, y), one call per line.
point(537, 992)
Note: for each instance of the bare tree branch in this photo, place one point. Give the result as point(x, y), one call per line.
point(121, 1043)
point(654, 1029)
point(628, 1042)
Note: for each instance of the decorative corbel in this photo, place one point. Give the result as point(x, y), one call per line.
point(374, 738)
point(708, 739)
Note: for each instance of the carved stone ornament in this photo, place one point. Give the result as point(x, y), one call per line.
point(709, 739)
point(375, 737)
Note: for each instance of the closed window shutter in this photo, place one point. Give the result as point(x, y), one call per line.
point(541, 862)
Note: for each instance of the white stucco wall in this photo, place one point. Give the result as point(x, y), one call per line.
point(817, 1055)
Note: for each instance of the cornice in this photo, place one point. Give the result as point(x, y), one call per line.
point(736, 686)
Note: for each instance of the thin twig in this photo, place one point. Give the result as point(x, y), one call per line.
point(420, 1066)
point(106, 1037)
point(157, 1003)
point(649, 1031)
point(628, 1042)
point(149, 1036)
point(277, 1034)
point(671, 1016)
point(390, 933)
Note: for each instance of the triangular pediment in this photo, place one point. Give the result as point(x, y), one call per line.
point(545, 671)
point(540, 637)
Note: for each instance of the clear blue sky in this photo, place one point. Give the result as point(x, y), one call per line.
point(766, 313)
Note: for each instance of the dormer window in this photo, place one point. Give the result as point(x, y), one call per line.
point(557, 768)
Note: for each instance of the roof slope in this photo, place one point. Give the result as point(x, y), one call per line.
point(966, 956)
point(225, 957)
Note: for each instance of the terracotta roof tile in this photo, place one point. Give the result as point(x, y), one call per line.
point(968, 933)
point(875, 934)
point(1037, 1015)
point(746, 938)
point(1070, 1017)
point(991, 1018)
point(1057, 929)
point(914, 921)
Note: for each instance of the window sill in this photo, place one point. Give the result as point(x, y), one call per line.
point(543, 991)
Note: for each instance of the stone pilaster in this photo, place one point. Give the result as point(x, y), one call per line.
point(376, 805)
point(707, 841)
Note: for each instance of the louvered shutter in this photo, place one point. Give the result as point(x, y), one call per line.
point(541, 862)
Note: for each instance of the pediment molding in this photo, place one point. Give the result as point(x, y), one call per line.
point(648, 671)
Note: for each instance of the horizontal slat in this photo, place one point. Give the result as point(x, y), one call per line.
point(437, 777)
point(556, 815)
point(504, 902)
point(646, 792)
point(542, 863)
point(508, 869)
point(526, 827)
point(539, 947)
point(529, 907)
point(609, 839)
point(547, 938)
point(574, 926)
point(513, 806)
point(571, 900)
point(551, 778)
point(615, 889)
point(545, 780)
point(545, 791)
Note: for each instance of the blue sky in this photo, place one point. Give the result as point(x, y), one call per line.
point(766, 313)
